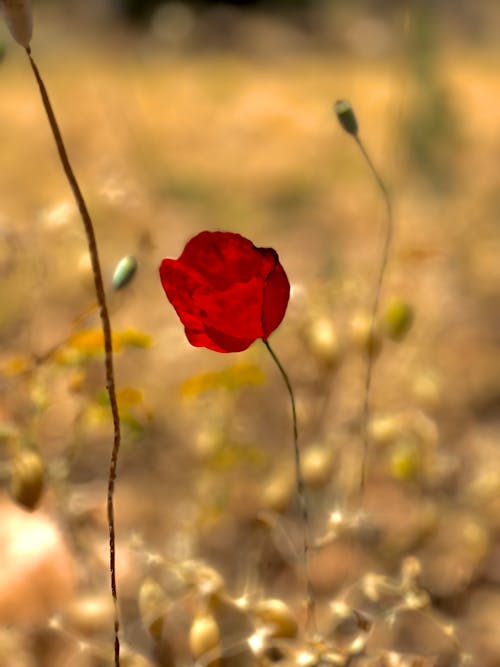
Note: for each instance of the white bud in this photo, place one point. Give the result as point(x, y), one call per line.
point(19, 19)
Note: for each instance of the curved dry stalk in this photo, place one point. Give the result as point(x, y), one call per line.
point(106, 330)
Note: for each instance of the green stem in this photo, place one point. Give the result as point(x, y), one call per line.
point(106, 330)
point(376, 300)
point(301, 494)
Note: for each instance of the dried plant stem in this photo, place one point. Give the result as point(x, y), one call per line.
point(365, 417)
point(106, 330)
point(301, 494)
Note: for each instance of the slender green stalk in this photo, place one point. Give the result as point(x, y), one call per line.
point(301, 494)
point(349, 123)
point(375, 305)
point(106, 330)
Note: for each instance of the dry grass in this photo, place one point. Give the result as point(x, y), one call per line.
point(166, 146)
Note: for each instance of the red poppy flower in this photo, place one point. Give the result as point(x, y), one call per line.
point(226, 291)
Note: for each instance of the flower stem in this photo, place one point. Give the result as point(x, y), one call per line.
point(301, 494)
point(347, 119)
point(375, 305)
point(106, 330)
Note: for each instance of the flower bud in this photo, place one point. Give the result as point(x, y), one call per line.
point(19, 20)
point(204, 639)
point(153, 604)
point(277, 618)
point(406, 460)
point(27, 479)
point(397, 318)
point(346, 117)
point(124, 272)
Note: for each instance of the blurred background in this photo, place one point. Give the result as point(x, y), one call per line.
point(184, 116)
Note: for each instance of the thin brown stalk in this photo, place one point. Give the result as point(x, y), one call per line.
point(106, 330)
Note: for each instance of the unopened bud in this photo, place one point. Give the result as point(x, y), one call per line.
point(204, 639)
point(397, 318)
point(27, 479)
point(19, 20)
point(405, 460)
point(124, 272)
point(346, 117)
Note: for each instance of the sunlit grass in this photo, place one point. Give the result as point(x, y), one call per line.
point(168, 145)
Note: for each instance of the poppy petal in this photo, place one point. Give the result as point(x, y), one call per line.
point(226, 291)
point(275, 300)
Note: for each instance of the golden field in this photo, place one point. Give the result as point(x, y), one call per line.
point(167, 143)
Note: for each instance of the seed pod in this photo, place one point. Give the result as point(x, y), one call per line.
point(405, 460)
point(19, 20)
point(317, 466)
point(397, 318)
point(322, 341)
point(204, 639)
point(27, 479)
point(124, 272)
point(153, 604)
point(277, 618)
point(346, 117)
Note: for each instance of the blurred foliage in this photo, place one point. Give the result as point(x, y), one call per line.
point(139, 10)
point(229, 378)
point(431, 124)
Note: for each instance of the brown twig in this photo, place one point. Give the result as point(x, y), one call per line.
point(106, 330)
